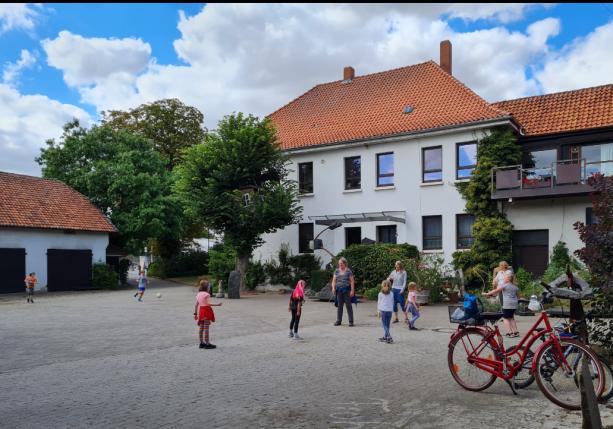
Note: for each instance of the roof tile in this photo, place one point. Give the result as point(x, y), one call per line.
point(32, 202)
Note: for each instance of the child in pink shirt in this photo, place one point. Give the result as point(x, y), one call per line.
point(412, 305)
point(204, 315)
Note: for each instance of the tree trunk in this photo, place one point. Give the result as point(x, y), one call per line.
point(242, 263)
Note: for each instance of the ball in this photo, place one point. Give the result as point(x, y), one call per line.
point(159, 295)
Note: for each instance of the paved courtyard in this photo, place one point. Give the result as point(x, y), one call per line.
point(101, 359)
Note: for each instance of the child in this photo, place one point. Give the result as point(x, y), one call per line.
point(510, 294)
point(295, 307)
point(385, 305)
point(207, 286)
point(204, 315)
point(142, 284)
point(30, 281)
point(412, 306)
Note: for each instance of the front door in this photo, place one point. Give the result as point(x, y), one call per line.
point(531, 251)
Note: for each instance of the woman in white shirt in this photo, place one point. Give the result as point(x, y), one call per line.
point(398, 279)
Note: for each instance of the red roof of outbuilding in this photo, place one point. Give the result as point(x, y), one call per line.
point(32, 202)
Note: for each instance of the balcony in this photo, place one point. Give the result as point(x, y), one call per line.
point(563, 178)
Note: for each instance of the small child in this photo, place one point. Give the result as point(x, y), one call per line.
point(385, 305)
point(295, 307)
point(30, 281)
point(510, 294)
point(203, 314)
point(412, 306)
point(142, 284)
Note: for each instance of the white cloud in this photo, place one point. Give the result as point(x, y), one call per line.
point(26, 122)
point(255, 58)
point(11, 71)
point(18, 16)
point(587, 61)
point(87, 61)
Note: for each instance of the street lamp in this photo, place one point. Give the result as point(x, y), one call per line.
point(317, 244)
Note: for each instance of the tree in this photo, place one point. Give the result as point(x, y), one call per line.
point(598, 237)
point(492, 231)
point(243, 155)
point(122, 175)
point(170, 124)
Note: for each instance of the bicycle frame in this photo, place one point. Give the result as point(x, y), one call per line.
point(499, 365)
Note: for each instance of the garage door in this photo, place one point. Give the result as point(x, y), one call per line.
point(69, 269)
point(12, 270)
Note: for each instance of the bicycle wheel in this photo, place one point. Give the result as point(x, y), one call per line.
point(607, 392)
point(523, 377)
point(560, 384)
point(464, 373)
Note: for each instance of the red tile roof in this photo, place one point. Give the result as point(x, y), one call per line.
point(582, 109)
point(372, 106)
point(32, 202)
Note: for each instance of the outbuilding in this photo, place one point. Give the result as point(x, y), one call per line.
point(48, 228)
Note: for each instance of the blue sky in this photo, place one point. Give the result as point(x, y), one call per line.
point(74, 60)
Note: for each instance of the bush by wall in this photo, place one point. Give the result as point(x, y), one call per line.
point(104, 277)
point(222, 261)
point(189, 263)
point(372, 263)
point(288, 268)
point(319, 279)
point(255, 275)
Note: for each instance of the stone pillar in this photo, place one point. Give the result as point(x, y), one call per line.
point(220, 293)
point(234, 285)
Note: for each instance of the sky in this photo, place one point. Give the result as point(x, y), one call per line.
point(64, 61)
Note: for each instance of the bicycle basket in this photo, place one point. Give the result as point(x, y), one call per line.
point(457, 315)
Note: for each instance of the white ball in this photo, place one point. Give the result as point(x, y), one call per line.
point(159, 295)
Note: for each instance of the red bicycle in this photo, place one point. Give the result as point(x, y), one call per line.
point(477, 356)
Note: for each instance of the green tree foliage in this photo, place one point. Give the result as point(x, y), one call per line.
point(492, 231)
point(170, 124)
point(242, 154)
point(222, 260)
point(122, 175)
point(559, 260)
point(104, 277)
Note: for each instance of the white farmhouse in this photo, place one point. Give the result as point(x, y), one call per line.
point(382, 153)
point(48, 228)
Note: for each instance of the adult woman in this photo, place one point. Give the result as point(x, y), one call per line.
point(500, 272)
point(398, 279)
point(343, 286)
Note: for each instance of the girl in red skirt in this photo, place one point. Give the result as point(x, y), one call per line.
point(203, 313)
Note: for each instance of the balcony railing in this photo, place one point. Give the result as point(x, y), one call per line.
point(565, 177)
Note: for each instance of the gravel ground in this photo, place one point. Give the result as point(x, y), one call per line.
point(102, 359)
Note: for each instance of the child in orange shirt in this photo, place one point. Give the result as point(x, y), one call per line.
point(30, 282)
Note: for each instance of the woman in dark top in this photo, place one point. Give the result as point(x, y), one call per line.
point(295, 307)
point(343, 285)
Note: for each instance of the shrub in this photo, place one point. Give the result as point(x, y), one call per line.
point(104, 277)
point(560, 258)
point(372, 293)
point(157, 268)
point(222, 261)
point(189, 263)
point(428, 273)
point(601, 329)
point(280, 272)
point(255, 275)
point(302, 266)
point(319, 279)
point(124, 266)
point(372, 263)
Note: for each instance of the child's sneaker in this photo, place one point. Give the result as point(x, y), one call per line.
point(297, 337)
point(210, 346)
point(291, 334)
point(390, 340)
point(383, 339)
point(202, 345)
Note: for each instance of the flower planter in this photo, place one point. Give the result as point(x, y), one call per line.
point(422, 296)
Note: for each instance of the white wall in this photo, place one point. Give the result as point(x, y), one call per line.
point(556, 215)
point(37, 241)
point(408, 195)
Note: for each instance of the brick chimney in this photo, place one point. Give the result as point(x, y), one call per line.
point(446, 56)
point(348, 74)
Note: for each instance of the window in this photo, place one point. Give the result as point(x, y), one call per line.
point(385, 169)
point(464, 231)
point(466, 159)
point(590, 219)
point(386, 234)
point(305, 178)
point(433, 232)
point(353, 173)
point(305, 234)
point(432, 164)
point(353, 235)
point(540, 159)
